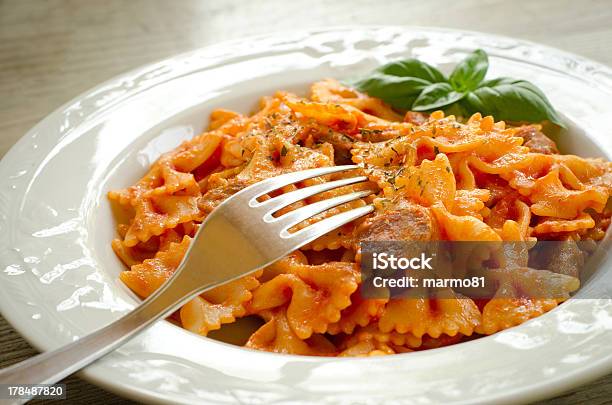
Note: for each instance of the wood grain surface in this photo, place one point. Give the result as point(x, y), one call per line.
point(52, 50)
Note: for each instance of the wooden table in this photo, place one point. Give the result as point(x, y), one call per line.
point(50, 51)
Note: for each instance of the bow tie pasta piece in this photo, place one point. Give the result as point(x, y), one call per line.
point(504, 164)
point(523, 294)
point(276, 335)
point(332, 92)
point(340, 238)
point(503, 313)
point(360, 313)
point(511, 218)
point(366, 348)
point(575, 172)
point(448, 141)
point(434, 317)
point(315, 294)
point(335, 116)
point(347, 119)
point(168, 195)
point(463, 228)
point(531, 283)
point(446, 135)
point(464, 175)
point(192, 154)
point(429, 183)
point(220, 305)
point(470, 202)
point(591, 172)
point(370, 341)
point(383, 162)
point(441, 341)
point(148, 276)
point(557, 225)
point(373, 332)
point(550, 198)
point(132, 255)
point(221, 116)
point(157, 214)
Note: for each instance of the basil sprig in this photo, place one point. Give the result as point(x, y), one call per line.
point(414, 85)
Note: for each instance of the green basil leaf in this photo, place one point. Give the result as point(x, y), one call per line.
point(395, 90)
point(401, 103)
point(468, 74)
point(413, 68)
point(436, 96)
point(399, 83)
point(511, 100)
point(414, 85)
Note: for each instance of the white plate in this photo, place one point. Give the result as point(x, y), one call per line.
point(59, 274)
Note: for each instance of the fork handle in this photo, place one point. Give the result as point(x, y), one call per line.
point(50, 367)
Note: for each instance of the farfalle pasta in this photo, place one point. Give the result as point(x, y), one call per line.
point(433, 178)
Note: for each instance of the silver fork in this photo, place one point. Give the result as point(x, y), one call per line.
point(237, 238)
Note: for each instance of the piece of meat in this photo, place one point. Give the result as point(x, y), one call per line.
point(342, 146)
point(416, 118)
point(536, 141)
point(407, 221)
point(562, 257)
point(568, 259)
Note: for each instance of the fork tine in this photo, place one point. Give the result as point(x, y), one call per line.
point(274, 183)
point(326, 225)
point(295, 217)
point(284, 200)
